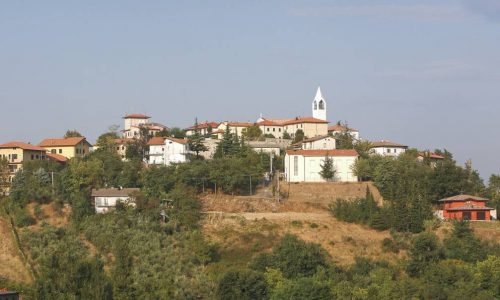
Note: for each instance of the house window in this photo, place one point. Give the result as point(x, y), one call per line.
point(60, 151)
point(279, 129)
point(315, 105)
point(53, 151)
point(481, 215)
point(14, 156)
point(388, 150)
point(36, 156)
point(117, 148)
point(268, 129)
point(274, 129)
point(295, 166)
point(32, 156)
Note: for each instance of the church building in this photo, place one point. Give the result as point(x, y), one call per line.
point(317, 125)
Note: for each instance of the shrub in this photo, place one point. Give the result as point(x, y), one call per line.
point(390, 245)
point(243, 285)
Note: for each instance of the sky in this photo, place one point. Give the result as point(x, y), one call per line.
point(422, 73)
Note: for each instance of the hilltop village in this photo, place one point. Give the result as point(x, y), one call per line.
point(310, 148)
point(291, 208)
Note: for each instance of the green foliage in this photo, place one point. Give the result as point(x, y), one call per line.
point(286, 136)
point(72, 133)
point(252, 133)
point(304, 288)
point(299, 136)
point(294, 258)
point(463, 245)
point(362, 210)
point(177, 133)
point(196, 141)
point(425, 251)
point(344, 139)
point(244, 285)
point(327, 169)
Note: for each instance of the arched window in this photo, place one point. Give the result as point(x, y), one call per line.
point(321, 104)
point(315, 105)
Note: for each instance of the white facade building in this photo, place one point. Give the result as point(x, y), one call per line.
point(167, 150)
point(305, 165)
point(106, 199)
point(387, 148)
point(317, 143)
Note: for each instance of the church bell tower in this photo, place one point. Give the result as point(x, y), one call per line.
point(319, 106)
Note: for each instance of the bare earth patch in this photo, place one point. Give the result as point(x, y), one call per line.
point(11, 264)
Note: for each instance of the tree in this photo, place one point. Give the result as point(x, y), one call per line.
point(177, 133)
point(295, 258)
point(344, 139)
point(4, 176)
point(196, 141)
point(252, 133)
point(229, 145)
point(243, 285)
point(163, 133)
point(425, 251)
point(72, 133)
point(286, 135)
point(299, 136)
point(107, 140)
point(327, 169)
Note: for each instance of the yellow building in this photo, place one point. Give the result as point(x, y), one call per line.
point(18, 152)
point(67, 147)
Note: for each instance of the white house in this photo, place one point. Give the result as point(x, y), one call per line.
point(134, 122)
point(387, 148)
point(106, 199)
point(316, 143)
point(167, 150)
point(204, 128)
point(305, 165)
point(338, 129)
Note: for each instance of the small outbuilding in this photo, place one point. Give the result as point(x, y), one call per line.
point(106, 199)
point(466, 207)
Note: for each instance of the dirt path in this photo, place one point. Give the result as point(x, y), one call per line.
point(11, 264)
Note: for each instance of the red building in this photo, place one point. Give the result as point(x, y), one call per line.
point(466, 207)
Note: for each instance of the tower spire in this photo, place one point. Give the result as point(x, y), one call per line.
point(319, 105)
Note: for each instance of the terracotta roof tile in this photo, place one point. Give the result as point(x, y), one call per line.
point(22, 145)
point(71, 141)
point(340, 128)
point(204, 125)
point(57, 157)
point(460, 198)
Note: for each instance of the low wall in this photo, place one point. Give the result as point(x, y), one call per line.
point(323, 193)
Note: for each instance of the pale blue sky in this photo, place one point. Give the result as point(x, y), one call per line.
point(423, 73)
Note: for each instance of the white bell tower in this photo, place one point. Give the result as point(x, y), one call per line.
point(319, 106)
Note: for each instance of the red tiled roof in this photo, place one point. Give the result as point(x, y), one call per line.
point(430, 155)
point(180, 141)
point(340, 128)
point(57, 157)
point(157, 140)
point(240, 124)
point(22, 145)
point(297, 120)
point(332, 152)
point(460, 198)
point(387, 144)
point(71, 141)
point(469, 207)
point(136, 116)
point(204, 125)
